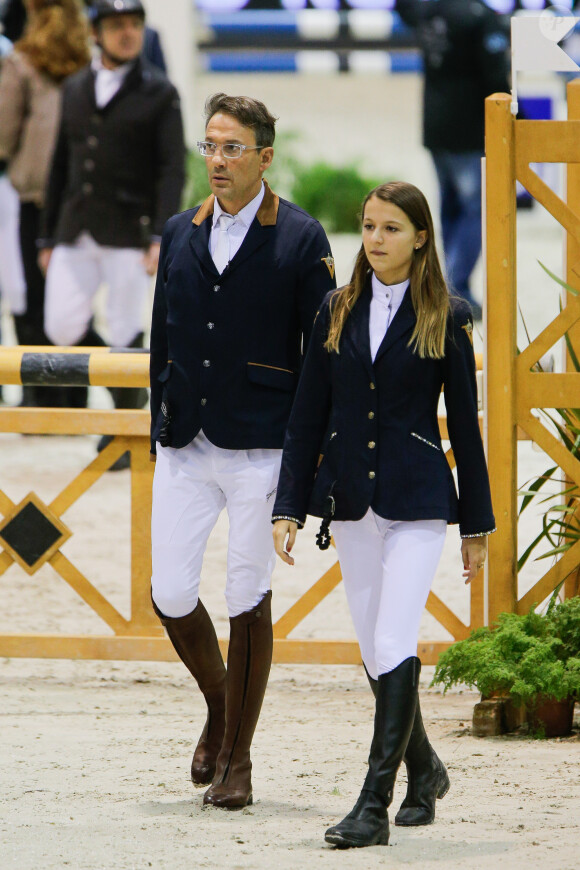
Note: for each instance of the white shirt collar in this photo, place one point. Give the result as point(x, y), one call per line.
point(119, 71)
point(395, 291)
point(246, 215)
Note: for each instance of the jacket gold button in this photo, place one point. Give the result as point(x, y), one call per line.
point(372, 475)
point(372, 445)
point(204, 401)
point(206, 363)
point(371, 415)
point(371, 385)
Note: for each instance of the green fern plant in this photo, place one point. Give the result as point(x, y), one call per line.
point(525, 656)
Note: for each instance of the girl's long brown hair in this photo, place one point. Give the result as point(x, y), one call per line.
point(56, 39)
point(429, 293)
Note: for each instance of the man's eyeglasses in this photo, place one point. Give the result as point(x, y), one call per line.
point(231, 150)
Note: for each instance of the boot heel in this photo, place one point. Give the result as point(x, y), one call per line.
point(444, 787)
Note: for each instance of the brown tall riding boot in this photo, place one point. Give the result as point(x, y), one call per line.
point(195, 642)
point(249, 659)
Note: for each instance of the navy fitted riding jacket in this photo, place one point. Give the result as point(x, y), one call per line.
point(375, 425)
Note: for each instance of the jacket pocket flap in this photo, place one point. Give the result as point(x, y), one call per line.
point(271, 376)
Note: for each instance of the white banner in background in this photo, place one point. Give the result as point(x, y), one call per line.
point(535, 46)
point(535, 43)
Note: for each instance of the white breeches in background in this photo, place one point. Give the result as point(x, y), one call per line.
point(191, 486)
point(12, 282)
point(75, 274)
point(387, 569)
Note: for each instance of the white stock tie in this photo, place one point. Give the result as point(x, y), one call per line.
point(221, 255)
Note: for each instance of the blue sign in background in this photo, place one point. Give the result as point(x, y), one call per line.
point(504, 6)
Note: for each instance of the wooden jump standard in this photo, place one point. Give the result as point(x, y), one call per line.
point(140, 637)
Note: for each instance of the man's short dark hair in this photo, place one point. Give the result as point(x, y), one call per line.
point(248, 111)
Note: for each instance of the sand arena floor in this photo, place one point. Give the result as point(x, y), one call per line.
point(95, 755)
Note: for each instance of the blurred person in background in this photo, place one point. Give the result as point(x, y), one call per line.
point(12, 285)
point(54, 46)
point(152, 49)
point(116, 178)
point(12, 18)
point(465, 54)
point(12, 282)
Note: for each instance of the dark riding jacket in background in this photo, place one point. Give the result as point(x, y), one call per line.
point(117, 171)
point(465, 47)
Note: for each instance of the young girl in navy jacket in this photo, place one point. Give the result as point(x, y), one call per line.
point(363, 449)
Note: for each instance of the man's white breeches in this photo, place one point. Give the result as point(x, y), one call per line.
point(191, 486)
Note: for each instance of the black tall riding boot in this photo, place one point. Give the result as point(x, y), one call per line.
point(427, 778)
point(127, 398)
point(195, 642)
point(78, 397)
point(91, 338)
point(368, 823)
point(372, 682)
point(249, 659)
point(30, 332)
point(131, 397)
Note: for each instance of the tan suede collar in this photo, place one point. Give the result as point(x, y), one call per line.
point(267, 213)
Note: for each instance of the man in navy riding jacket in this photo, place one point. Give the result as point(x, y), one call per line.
point(240, 280)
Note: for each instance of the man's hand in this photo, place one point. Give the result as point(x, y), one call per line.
point(284, 529)
point(43, 259)
point(473, 552)
point(151, 258)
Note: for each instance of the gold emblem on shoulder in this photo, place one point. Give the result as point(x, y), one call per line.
point(468, 327)
point(329, 261)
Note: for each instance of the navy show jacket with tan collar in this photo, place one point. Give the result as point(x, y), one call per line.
point(226, 350)
point(375, 424)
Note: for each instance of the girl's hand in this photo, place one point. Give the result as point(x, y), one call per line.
point(473, 552)
point(284, 529)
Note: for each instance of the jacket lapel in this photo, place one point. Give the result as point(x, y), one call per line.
point(258, 233)
point(128, 84)
point(89, 87)
point(260, 230)
point(256, 236)
point(199, 239)
point(403, 321)
point(357, 328)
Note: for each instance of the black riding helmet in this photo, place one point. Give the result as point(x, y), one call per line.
point(99, 9)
